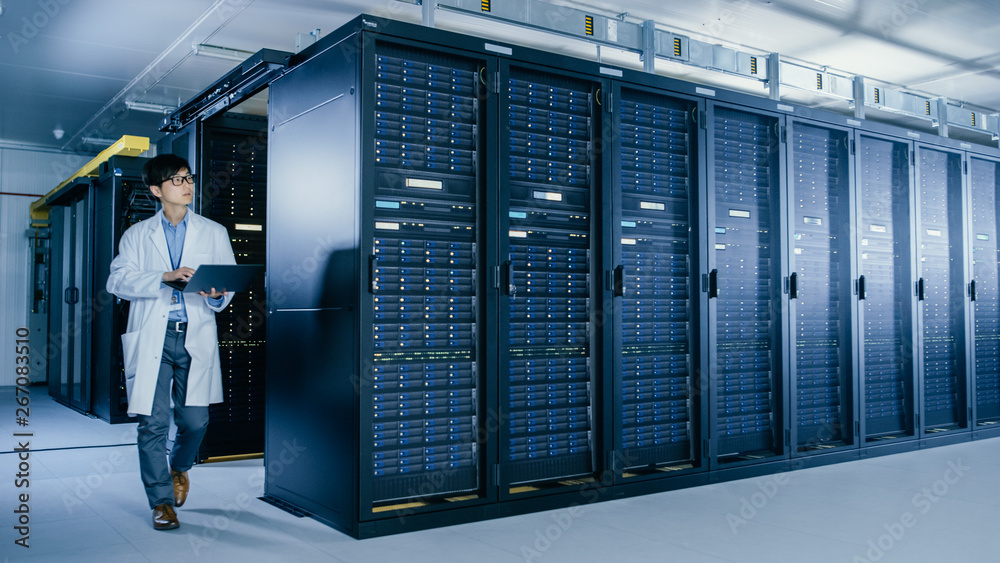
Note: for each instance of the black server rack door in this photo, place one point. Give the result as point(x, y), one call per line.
point(745, 285)
point(653, 285)
point(58, 310)
point(314, 286)
point(886, 288)
point(69, 338)
point(546, 370)
point(233, 167)
point(985, 289)
point(426, 359)
point(79, 384)
point(820, 288)
point(941, 289)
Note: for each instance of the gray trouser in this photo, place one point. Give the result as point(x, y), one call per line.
point(153, 429)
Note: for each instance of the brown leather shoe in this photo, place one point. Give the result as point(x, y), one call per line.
point(181, 486)
point(164, 517)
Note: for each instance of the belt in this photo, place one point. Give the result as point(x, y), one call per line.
point(176, 326)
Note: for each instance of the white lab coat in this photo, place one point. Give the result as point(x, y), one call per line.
point(136, 276)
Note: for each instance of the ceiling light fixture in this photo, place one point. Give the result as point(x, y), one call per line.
point(152, 108)
point(217, 52)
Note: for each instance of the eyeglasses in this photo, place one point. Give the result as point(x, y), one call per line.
point(179, 180)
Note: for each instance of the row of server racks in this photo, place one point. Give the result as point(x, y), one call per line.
point(501, 280)
point(85, 323)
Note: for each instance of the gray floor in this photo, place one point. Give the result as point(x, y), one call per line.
point(86, 504)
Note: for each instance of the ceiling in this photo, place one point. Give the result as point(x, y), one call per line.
point(68, 68)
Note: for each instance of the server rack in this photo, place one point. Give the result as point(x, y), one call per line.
point(402, 381)
point(744, 285)
point(547, 212)
point(232, 164)
point(40, 240)
point(820, 285)
point(228, 152)
point(941, 290)
point(657, 388)
point(427, 363)
point(885, 288)
point(984, 290)
point(121, 200)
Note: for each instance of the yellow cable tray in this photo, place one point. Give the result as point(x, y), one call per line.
point(128, 145)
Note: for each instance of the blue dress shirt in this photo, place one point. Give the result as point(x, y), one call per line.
point(175, 245)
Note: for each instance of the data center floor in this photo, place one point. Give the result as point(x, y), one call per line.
point(85, 503)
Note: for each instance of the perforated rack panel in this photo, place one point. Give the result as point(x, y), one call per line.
point(820, 183)
point(885, 266)
point(940, 181)
point(656, 333)
point(549, 363)
point(234, 191)
point(747, 368)
point(425, 363)
point(986, 259)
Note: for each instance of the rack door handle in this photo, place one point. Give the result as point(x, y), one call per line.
point(793, 286)
point(920, 289)
point(713, 284)
point(372, 280)
point(861, 288)
point(972, 290)
point(508, 282)
point(618, 282)
point(71, 296)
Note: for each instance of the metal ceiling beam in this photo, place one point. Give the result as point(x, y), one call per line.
point(248, 78)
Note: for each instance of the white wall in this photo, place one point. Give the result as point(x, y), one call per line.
point(22, 171)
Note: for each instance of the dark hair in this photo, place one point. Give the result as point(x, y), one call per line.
point(161, 167)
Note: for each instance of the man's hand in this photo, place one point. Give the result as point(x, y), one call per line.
point(213, 294)
point(183, 274)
